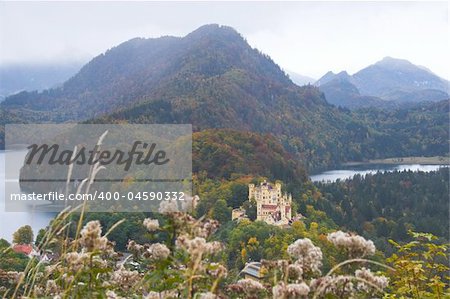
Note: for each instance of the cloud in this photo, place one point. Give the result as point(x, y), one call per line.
point(306, 37)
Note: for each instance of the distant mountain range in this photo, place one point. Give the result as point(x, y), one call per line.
point(20, 77)
point(300, 80)
point(388, 83)
point(212, 79)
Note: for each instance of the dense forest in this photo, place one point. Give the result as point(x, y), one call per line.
point(408, 131)
point(386, 205)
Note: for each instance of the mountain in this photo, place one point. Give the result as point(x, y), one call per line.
point(403, 129)
point(139, 68)
point(390, 75)
point(340, 91)
point(300, 79)
point(388, 83)
point(19, 77)
point(222, 153)
point(212, 79)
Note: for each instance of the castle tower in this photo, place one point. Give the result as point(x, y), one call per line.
point(271, 206)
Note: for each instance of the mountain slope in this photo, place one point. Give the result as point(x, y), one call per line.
point(392, 74)
point(210, 78)
point(300, 80)
point(16, 78)
point(388, 83)
point(127, 73)
point(224, 152)
point(340, 91)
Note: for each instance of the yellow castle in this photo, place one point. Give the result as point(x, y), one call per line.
point(271, 206)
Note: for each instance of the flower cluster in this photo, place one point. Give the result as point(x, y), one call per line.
point(293, 290)
point(380, 282)
point(91, 237)
point(168, 207)
point(308, 256)
point(151, 224)
point(161, 295)
point(51, 288)
point(356, 246)
point(75, 261)
point(340, 286)
point(249, 287)
point(125, 279)
point(186, 224)
point(197, 246)
point(217, 270)
point(154, 252)
point(207, 295)
point(157, 252)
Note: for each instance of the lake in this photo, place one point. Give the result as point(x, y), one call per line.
point(11, 221)
point(347, 173)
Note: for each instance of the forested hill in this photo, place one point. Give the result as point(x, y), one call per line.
point(223, 153)
point(408, 131)
point(144, 68)
point(210, 78)
point(385, 206)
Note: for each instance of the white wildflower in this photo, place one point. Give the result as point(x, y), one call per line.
point(125, 279)
point(112, 295)
point(217, 270)
point(293, 290)
point(247, 286)
point(380, 282)
point(76, 260)
point(197, 246)
point(157, 251)
point(51, 287)
point(340, 286)
point(153, 295)
point(168, 206)
point(295, 270)
point(306, 254)
point(91, 238)
point(355, 245)
point(151, 224)
point(207, 295)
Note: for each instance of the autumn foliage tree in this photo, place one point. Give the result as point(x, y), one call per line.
point(24, 235)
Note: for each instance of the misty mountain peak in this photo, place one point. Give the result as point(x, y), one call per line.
point(394, 63)
point(214, 30)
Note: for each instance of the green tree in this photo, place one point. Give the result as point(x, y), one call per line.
point(24, 235)
point(250, 209)
point(40, 236)
point(221, 211)
point(421, 268)
point(9, 260)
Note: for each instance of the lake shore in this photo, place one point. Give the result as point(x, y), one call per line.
point(437, 160)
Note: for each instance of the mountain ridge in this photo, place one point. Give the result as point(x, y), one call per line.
point(213, 79)
point(390, 82)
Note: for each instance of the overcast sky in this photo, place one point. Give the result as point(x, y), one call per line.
point(306, 37)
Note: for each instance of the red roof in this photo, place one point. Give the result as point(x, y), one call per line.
point(23, 248)
point(269, 207)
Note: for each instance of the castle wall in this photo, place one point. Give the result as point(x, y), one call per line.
point(272, 207)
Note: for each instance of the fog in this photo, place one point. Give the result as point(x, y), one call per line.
point(305, 37)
